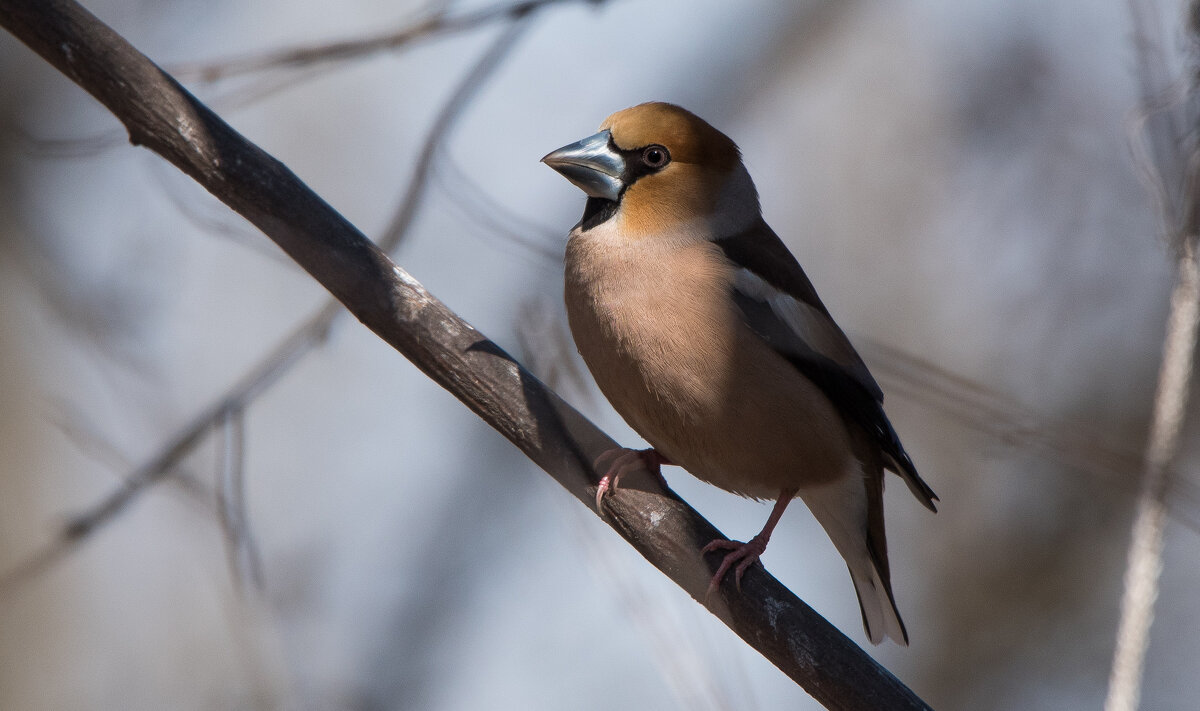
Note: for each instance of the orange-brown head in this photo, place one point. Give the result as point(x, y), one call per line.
point(654, 167)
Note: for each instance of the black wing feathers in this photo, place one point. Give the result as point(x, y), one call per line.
point(840, 374)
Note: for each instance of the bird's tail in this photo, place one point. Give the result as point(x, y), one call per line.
point(874, 589)
point(852, 515)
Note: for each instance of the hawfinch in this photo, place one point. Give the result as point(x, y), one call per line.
point(704, 333)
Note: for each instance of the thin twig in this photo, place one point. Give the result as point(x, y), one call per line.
point(245, 563)
point(1169, 128)
point(494, 219)
point(1145, 549)
point(1073, 444)
point(305, 64)
point(329, 54)
point(443, 123)
point(307, 337)
point(1158, 95)
point(213, 219)
point(91, 442)
point(165, 462)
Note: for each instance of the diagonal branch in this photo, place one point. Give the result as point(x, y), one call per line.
point(162, 116)
point(309, 335)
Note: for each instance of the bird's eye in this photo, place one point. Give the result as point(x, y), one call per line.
point(655, 156)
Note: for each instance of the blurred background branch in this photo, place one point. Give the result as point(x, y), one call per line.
point(437, 23)
point(1168, 158)
point(277, 363)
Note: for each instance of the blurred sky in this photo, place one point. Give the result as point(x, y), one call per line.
point(955, 177)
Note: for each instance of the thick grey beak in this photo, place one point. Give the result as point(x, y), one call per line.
point(592, 165)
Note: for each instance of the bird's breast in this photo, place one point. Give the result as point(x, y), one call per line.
point(657, 328)
point(649, 323)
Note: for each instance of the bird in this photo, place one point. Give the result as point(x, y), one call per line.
point(705, 334)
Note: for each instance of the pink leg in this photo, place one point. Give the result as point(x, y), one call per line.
point(744, 554)
point(623, 461)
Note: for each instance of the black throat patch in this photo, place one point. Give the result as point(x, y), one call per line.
point(597, 211)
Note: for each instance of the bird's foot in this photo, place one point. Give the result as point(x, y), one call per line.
point(616, 462)
point(743, 554)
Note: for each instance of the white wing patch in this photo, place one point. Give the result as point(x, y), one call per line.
point(809, 324)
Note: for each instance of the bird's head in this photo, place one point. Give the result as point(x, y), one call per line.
point(657, 167)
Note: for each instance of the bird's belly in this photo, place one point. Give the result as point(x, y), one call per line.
point(703, 390)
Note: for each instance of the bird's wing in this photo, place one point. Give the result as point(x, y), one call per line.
point(780, 305)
